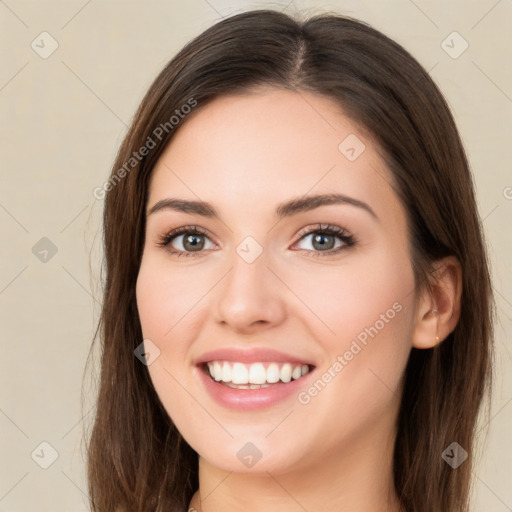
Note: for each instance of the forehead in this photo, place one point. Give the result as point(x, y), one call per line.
point(247, 151)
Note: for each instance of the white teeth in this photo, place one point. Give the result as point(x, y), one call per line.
point(273, 373)
point(247, 386)
point(255, 376)
point(286, 372)
point(297, 372)
point(217, 371)
point(226, 372)
point(240, 374)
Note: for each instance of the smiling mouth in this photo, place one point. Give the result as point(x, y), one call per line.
point(256, 375)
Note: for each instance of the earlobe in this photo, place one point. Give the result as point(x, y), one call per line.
point(438, 309)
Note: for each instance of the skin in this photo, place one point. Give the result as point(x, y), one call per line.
point(245, 154)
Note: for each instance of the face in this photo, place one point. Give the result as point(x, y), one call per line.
point(255, 291)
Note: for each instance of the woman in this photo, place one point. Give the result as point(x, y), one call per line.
point(298, 309)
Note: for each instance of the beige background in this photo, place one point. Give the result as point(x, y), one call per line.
point(63, 118)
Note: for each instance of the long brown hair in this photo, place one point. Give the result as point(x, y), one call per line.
point(137, 459)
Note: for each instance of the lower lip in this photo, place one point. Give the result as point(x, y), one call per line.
point(251, 399)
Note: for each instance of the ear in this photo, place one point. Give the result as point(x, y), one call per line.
point(438, 308)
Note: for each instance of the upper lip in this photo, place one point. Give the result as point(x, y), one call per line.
point(253, 355)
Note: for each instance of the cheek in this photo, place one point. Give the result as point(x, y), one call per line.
point(368, 307)
point(164, 298)
point(358, 293)
point(164, 303)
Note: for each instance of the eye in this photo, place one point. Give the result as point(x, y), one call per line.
point(323, 239)
point(191, 238)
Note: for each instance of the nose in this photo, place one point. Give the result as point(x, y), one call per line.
point(251, 297)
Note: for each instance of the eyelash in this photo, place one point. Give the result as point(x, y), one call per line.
point(343, 235)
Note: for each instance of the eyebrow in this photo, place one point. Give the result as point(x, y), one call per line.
point(287, 209)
